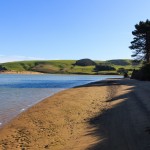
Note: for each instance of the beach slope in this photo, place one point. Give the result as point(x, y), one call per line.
point(106, 115)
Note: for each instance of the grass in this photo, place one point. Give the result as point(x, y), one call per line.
point(66, 66)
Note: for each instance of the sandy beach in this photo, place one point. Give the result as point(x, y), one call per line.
point(107, 115)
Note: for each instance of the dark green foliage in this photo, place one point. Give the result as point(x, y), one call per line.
point(121, 62)
point(141, 41)
point(85, 62)
point(2, 68)
point(122, 71)
point(103, 67)
point(129, 70)
point(142, 74)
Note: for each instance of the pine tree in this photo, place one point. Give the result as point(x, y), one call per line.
point(141, 41)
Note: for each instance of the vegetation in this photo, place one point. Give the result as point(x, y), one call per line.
point(142, 74)
point(2, 68)
point(122, 71)
point(68, 67)
point(141, 47)
point(141, 42)
point(120, 62)
point(85, 62)
point(103, 67)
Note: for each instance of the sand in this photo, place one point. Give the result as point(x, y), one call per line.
point(108, 115)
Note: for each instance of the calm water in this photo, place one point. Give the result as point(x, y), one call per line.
point(19, 92)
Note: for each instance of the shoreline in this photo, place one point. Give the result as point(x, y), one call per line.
point(32, 72)
point(90, 116)
point(20, 72)
point(23, 108)
point(19, 122)
point(43, 99)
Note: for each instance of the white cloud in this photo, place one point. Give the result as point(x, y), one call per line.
point(4, 58)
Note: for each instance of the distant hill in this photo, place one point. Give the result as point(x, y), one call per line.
point(65, 66)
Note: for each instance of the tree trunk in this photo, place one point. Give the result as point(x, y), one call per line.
point(148, 47)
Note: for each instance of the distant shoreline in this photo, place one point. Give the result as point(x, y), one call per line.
point(33, 72)
point(20, 72)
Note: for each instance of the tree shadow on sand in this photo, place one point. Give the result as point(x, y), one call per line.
point(125, 126)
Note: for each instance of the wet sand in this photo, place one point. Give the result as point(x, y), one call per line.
point(108, 115)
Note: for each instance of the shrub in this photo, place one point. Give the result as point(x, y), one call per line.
point(122, 71)
point(85, 62)
point(142, 74)
point(103, 67)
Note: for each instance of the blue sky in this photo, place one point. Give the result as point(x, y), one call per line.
point(68, 29)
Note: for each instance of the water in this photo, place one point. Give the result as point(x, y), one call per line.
point(19, 92)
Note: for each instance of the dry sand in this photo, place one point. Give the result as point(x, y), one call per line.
point(108, 115)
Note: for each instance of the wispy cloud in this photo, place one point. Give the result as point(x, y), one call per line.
point(4, 58)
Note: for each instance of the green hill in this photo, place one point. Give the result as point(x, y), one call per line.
point(66, 66)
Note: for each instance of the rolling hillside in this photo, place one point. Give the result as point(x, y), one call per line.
point(65, 66)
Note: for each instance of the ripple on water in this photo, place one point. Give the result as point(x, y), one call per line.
point(19, 92)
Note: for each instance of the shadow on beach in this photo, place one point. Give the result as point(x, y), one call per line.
point(125, 126)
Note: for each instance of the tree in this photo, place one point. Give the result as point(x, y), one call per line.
point(141, 41)
point(2, 68)
point(103, 67)
point(122, 71)
point(85, 62)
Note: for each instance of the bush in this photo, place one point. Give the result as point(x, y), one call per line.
point(2, 68)
point(85, 62)
point(103, 67)
point(120, 62)
point(122, 71)
point(142, 74)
